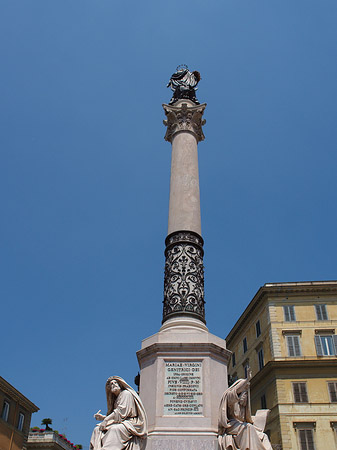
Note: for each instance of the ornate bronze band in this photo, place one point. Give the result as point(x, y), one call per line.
point(184, 276)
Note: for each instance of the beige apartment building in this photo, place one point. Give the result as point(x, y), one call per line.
point(287, 336)
point(16, 412)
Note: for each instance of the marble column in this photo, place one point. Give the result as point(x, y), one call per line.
point(183, 367)
point(184, 275)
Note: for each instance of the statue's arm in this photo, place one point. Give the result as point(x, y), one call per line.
point(107, 420)
point(99, 416)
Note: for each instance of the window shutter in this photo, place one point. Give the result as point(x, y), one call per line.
point(303, 440)
point(333, 392)
point(310, 439)
point(297, 346)
point(306, 440)
point(318, 312)
point(290, 343)
point(300, 392)
point(297, 396)
point(258, 328)
point(334, 337)
point(292, 313)
point(324, 312)
point(318, 344)
point(304, 394)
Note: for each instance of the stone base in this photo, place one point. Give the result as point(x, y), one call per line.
point(182, 442)
point(183, 374)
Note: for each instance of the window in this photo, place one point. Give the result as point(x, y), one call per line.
point(306, 438)
point(258, 328)
point(293, 344)
point(321, 312)
point(5, 411)
point(21, 421)
point(300, 392)
point(245, 346)
point(233, 359)
point(289, 313)
point(263, 402)
point(326, 344)
point(246, 368)
point(260, 358)
point(332, 386)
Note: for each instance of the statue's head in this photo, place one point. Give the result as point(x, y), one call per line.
point(113, 387)
point(181, 68)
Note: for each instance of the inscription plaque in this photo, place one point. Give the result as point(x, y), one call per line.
point(183, 388)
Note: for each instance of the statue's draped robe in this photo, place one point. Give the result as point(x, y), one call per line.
point(183, 78)
point(126, 427)
point(236, 429)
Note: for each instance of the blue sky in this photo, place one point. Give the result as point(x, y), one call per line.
point(84, 175)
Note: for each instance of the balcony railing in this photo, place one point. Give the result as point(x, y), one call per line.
point(49, 437)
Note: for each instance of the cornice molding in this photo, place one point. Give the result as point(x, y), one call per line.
point(281, 289)
point(309, 364)
point(17, 396)
point(198, 349)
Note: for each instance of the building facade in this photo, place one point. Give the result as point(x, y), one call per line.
point(287, 336)
point(16, 412)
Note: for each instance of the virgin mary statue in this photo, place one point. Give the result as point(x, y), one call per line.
point(125, 425)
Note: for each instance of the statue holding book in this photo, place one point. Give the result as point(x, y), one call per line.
point(124, 427)
point(238, 429)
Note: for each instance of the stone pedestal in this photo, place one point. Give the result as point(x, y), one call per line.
point(183, 376)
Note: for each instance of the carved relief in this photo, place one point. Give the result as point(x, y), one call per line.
point(184, 118)
point(184, 275)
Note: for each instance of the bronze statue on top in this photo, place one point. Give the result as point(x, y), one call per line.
point(183, 84)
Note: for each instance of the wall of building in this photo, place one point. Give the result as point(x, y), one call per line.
point(275, 380)
point(254, 343)
point(11, 438)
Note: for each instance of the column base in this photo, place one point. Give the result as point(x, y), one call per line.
point(182, 441)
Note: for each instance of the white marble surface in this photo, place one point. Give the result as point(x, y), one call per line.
point(181, 443)
point(184, 340)
point(184, 207)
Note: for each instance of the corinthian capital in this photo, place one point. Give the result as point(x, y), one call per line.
point(184, 116)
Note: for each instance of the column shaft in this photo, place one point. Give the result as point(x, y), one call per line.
point(184, 209)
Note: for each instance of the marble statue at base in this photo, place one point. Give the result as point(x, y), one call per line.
point(238, 430)
point(125, 425)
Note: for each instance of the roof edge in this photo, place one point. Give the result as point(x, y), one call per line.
point(17, 395)
point(279, 288)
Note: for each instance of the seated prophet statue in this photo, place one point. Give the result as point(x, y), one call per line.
point(125, 425)
point(238, 429)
